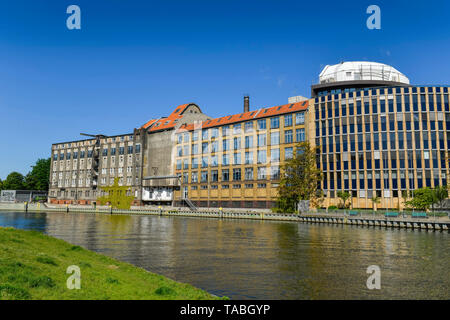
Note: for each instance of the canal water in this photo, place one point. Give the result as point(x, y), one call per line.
point(245, 259)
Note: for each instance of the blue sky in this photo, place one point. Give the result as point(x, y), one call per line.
point(136, 60)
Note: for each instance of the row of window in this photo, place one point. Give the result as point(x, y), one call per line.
point(383, 181)
point(262, 173)
point(396, 140)
point(377, 91)
point(261, 158)
point(341, 109)
point(206, 134)
point(227, 186)
point(364, 160)
point(213, 146)
point(82, 154)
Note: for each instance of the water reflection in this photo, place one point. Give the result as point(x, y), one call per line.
point(261, 259)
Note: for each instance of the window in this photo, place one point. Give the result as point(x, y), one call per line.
point(248, 157)
point(121, 150)
point(204, 176)
point(194, 177)
point(178, 165)
point(204, 161)
point(138, 148)
point(237, 174)
point(248, 142)
point(262, 140)
point(214, 161)
point(237, 158)
point(237, 143)
point(275, 173)
point(237, 129)
point(261, 173)
point(205, 134)
point(300, 134)
point(225, 175)
point(288, 136)
point(248, 173)
point(300, 118)
point(288, 120)
point(214, 146)
point(275, 155)
point(130, 149)
point(226, 144)
point(214, 132)
point(248, 127)
point(214, 175)
point(274, 123)
point(261, 156)
point(262, 124)
point(205, 147)
point(194, 163)
point(225, 130)
point(275, 138)
point(288, 153)
point(113, 152)
point(225, 160)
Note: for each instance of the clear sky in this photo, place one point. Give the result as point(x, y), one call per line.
point(136, 60)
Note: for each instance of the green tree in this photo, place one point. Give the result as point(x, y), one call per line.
point(117, 196)
point(14, 181)
point(440, 193)
point(344, 195)
point(38, 177)
point(422, 199)
point(299, 177)
point(375, 200)
point(1, 184)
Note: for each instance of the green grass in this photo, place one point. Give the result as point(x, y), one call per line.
point(33, 266)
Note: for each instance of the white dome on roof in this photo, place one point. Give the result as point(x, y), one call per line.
point(361, 70)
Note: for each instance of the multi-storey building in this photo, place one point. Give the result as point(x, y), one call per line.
point(378, 136)
point(140, 160)
point(234, 161)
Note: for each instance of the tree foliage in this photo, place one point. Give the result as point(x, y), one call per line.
point(299, 177)
point(38, 177)
point(14, 181)
point(343, 195)
point(117, 196)
point(425, 198)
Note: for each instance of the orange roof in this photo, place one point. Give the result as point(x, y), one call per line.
point(255, 114)
point(169, 122)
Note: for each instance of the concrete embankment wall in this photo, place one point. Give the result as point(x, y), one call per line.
point(430, 223)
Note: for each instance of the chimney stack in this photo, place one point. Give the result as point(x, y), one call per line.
point(246, 103)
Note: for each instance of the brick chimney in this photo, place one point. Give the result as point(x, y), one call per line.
point(246, 103)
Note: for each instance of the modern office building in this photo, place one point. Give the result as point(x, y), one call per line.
point(378, 136)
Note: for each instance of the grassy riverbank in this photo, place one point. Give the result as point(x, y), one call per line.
point(33, 266)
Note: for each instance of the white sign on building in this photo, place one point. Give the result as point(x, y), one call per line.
point(157, 194)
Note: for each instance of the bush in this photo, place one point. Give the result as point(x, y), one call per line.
point(332, 208)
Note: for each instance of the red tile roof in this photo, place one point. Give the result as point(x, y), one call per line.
point(169, 122)
point(255, 114)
